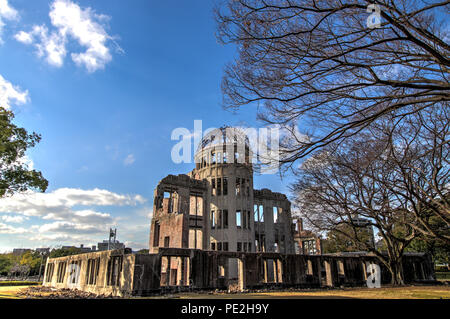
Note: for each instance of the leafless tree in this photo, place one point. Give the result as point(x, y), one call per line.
point(419, 154)
point(395, 176)
point(320, 67)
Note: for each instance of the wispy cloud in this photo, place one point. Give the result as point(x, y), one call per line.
point(129, 160)
point(6, 13)
point(13, 218)
point(8, 229)
point(71, 22)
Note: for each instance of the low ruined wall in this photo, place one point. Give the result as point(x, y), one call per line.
point(121, 273)
point(88, 272)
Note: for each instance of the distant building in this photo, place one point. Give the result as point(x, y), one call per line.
point(306, 242)
point(20, 251)
point(365, 224)
point(82, 248)
point(43, 251)
point(106, 245)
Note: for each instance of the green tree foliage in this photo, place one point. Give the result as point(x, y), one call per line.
point(15, 176)
point(6, 262)
point(337, 242)
point(27, 263)
point(32, 260)
point(438, 249)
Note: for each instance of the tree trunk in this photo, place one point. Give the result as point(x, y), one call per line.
point(396, 270)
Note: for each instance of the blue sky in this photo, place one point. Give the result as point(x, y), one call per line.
point(105, 83)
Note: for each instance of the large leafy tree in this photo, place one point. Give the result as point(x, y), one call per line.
point(15, 175)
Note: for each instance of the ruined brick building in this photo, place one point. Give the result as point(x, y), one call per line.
point(216, 208)
point(211, 229)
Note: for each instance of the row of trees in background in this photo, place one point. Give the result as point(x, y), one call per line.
point(364, 108)
point(29, 263)
point(24, 265)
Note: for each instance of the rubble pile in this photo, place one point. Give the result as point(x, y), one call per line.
point(52, 293)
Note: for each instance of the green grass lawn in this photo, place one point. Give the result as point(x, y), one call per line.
point(19, 283)
point(407, 292)
point(10, 292)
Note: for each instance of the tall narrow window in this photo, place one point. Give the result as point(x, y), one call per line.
point(261, 213)
point(219, 157)
point(113, 271)
point(213, 158)
point(225, 186)
point(92, 271)
point(248, 219)
point(239, 247)
point(156, 235)
point(244, 220)
point(167, 241)
point(238, 186)
point(275, 214)
point(225, 156)
point(213, 219)
point(213, 187)
point(225, 218)
point(244, 187)
point(238, 219)
point(50, 269)
point(256, 213)
point(219, 186)
point(61, 272)
point(168, 196)
point(219, 222)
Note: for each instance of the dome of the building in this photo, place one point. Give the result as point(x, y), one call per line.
point(223, 136)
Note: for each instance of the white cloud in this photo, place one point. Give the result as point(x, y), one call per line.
point(8, 229)
point(52, 47)
point(129, 160)
point(59, 203)
point(6, 13)
point(69, 218)
point(10, 94)
point(72, 22)
point(13, 219)
point(24, 37)
point(69, 228)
